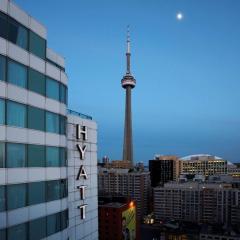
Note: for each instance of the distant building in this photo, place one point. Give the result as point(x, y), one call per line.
point(117, 218)
point(197, 202)
point(163, 169)
point(203, 164)
point(133, 184)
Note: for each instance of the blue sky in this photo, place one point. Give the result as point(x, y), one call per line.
point(188, 72)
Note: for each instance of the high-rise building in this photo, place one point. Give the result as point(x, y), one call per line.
point(128, 82)
point(197, 202)
point(48, 174)
point(163, 169)
point(121, 182)
point(203, 164)
point(117, 218)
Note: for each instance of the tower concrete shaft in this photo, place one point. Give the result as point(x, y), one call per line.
point(128, 82)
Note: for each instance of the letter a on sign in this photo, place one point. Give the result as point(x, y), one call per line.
point(82, 173)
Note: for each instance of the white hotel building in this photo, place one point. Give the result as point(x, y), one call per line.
point(48, 156)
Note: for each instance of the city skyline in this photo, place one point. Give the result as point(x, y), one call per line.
point(187, 71)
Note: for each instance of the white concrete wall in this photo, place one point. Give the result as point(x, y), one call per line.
point(82, 228)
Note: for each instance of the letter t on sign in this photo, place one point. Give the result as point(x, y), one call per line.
point(81, 130)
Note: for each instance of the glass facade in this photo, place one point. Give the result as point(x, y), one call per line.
point(36, 193)
point(16, 155)
point(16, 114)
point(2, 66)
point(17, 232)
point(27, 194)
point(16, 196)
point(17, 74)
point(2, 155)
point(2, 199)
point(3, 25)
point(2, 111)
point(53, 89)
point(23, 155)
point(17, 34)
point(36, 118)
point(52, 122)
point(31, 79)
point(38, 228)
point(37, 45)
point(36, 81)
point(36, 156)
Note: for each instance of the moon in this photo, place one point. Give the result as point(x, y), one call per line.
point(179, 16)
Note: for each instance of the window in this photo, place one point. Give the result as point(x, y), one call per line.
point(63, 188)
point(52, 89)
point(2, 111)
point(36, 118)
point(17, 74)
point(18, 232)
point(16, 196)
point(16, 114)
point(64, 219)
point(37, 45)
point(63, 157)
point(53, 190)
point(52, 122)
point(36, 82)
point(62, 125)
point(52, 156)
point(18, 34)
point(2, 65)
point(2, 155)
point(63, 94)
point(36, 156)
point(2, 199)
point(53, 223)
point(3, 25)
point(3, 235)
point(16, 155)
point(37, 229)
point(36, 193)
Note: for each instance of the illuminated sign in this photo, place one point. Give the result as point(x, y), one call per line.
point(82, 135)
point(129, 223)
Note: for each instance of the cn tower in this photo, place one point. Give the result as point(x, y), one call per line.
point(128, 82)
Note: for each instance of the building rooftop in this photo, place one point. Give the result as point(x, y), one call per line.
point(78, 114)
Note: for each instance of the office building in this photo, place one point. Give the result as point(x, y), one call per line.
point(197, 202)
point(39, 182)
point(121, 182)
point(117, 218)
point(203, 164)
point(163, 169)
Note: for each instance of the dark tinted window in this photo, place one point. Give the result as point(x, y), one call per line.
point(2, 199)
point(63, 188)
point(53, 89)
point(16, 196)
point(2, 154)
point(2, 68)
point(37, 45)
point(16, 114)
point(52, 122)
point(52, 156)
point(17, 74)
point(37, 229)
point(36, 82)
point(63, 93)
point(64, 219)
point(3, 25)
point(2, 111)
point(36, 193)
point(18, 34)
point(53, 190)
point(16, 155)
point(63, 157)
point(53, 223)
point(62, 125)
point(36, 156)
point(17, 232)
point(36, 118)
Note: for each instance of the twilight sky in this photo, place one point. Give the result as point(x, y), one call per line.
point(188, 72)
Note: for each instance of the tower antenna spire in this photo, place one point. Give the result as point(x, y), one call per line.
point(128, 38)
